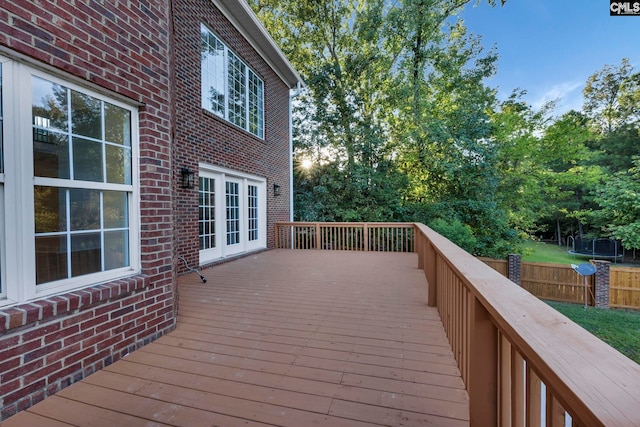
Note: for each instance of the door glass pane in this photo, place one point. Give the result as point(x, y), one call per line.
point(207, 213)
point(233, 213)
point(86, 254)
point(86, 115)
point(51, 258)
point(252, 205)
point(87, 160)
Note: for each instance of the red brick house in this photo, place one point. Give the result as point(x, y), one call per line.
point(231, 130)
point(104, 104)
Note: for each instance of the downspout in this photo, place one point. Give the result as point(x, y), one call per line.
point(291, 96)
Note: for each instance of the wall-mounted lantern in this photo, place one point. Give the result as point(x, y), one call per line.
point(276, 190)
point(187, 177)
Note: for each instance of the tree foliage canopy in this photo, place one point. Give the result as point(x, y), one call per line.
point(399, 125)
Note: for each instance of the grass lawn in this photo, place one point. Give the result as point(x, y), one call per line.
point(545, 252)
point(620, 329)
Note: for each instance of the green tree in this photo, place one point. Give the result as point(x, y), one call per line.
point(619, 199)
point(568, 177)
point(516, 134)
point(394, 89)
point(612, 97)
point(612, 102)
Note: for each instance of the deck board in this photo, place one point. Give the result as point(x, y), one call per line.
point(287, 338)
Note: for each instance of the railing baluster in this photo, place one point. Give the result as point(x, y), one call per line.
point(505, 384)
point(482, 383)
point(534, 399)
point(555, 412)
point(517, 389)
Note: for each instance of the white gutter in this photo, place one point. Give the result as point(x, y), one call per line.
point(291, 96)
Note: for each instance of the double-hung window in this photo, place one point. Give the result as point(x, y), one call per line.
point(67, 188)
point(230, 88)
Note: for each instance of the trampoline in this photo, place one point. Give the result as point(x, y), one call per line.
point(607, 249)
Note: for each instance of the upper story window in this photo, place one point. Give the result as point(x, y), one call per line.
point(230, 88)
point(67, 189)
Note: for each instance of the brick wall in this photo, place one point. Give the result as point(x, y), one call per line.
point(203, 137)
point(120, 48)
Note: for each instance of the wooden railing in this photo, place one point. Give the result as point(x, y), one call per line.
point(350, 236)
point(524, 364)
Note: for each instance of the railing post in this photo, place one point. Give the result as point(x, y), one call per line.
point(418, 247)
point(430, 270)
point(601, 284)
point(317, 232)
point(365, 230)
point(514, 263)
point(483, 366)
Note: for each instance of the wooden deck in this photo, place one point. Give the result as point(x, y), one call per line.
point(286, 338)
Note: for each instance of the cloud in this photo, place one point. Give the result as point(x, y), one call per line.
point(567, 94)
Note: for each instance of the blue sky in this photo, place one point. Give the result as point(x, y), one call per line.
point(551, 47)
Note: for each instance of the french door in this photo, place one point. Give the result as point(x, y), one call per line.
point(232, 213)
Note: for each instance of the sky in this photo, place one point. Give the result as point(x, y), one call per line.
point(550, 47)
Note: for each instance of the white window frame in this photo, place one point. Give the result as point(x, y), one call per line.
point(19, 182)
point(221, 249)
point(4, 63)
point(250, 79)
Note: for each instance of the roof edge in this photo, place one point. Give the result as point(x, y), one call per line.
point(247, 23)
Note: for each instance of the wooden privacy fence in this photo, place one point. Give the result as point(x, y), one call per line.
point(556, 282)
point(559, 282)
point(352, 236)
point(523, 363)
point(624, 288)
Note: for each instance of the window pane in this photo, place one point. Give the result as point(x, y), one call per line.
point(49, 105)
point(212, 67)
point(84, 209)
point(115, 209)
point(50, 154)
point(50, 204)
point(1, 189)
point(118, 164)
point(237, 91)
point(51, 258)
point(116, 249)
point(117, 125)
point(1, 128)
point(86, 254)
point(256, 105)
point(87, 160)
point(86, 115)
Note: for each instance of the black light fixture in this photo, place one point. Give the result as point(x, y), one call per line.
point(187, 176)
point(276, 190)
